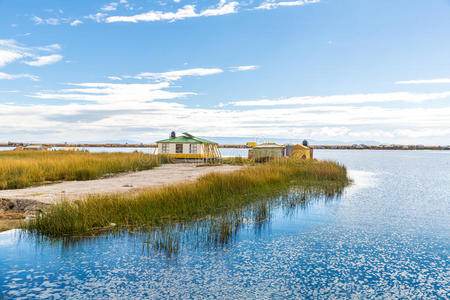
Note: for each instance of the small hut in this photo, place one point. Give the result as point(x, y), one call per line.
point(34, 148)
point(69, 149)
point(266, 152)
point(189, 147)
point(301, 152)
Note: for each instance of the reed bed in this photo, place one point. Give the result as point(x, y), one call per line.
point(239, 161)
point(211, 194)
point(20, 169)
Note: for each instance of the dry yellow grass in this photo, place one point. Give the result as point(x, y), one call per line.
point(19, 169)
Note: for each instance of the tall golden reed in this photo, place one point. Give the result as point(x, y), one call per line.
point(211, 194)
point(19, 169)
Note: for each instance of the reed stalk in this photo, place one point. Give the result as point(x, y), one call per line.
point(211, 194)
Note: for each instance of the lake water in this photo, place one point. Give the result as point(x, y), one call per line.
point(387, 235)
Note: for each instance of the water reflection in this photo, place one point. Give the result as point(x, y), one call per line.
point(211, 232)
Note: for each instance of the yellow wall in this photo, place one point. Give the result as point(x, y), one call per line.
point(302, 154)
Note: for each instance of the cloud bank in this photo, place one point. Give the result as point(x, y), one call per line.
point(145, 111)
point(187, 11)
point(425, 81)
point(346, 99)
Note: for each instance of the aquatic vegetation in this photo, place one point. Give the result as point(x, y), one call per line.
point(237, 161)
point(211, 195)
point(19, 169)
point(7, 224)
point(218, 231)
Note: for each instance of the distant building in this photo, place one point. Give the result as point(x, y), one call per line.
point(265, 152)
point(188, 146)
point(34, 148)
point(69, 149)
point(268, 151)
point(301, 152)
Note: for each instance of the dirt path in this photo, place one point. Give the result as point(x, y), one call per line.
point(71, 190)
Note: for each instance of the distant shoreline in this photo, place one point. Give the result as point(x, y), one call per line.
point(237, 146)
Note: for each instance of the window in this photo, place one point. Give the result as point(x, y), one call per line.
point(165, 148)
point(193, 148)
point(179, 148)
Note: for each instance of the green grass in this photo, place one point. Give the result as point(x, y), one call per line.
point(20, 169)
point(211, 194)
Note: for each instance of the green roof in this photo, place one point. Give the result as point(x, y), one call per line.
point(186, 139)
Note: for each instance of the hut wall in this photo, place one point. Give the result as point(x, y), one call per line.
point(302, 153)
point(171, 147)
point(186, 148)
point(268, 152)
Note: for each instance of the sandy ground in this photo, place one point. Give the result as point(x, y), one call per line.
point(71, 190)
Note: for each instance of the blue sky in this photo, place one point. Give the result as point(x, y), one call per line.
point(340, 70)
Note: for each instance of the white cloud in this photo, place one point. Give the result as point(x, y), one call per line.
point(425, 81)
point(37, 20)
point(222, 9)
point(114, 93)
point(76, 23)
point(423, 132)
point(177, 75)
point(49, 21)
point(11, 51)
point(44, 60)
point(98, 17)
point(18, 76)
point(346, 99)
point(7, 56)
point(273, 4)
point(114, 78)
point(188, 11)
point(243, 68)
point(110, 7)
point(52, 21)
point(49, 48)
point(58, 19)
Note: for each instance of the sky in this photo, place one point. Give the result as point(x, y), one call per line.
point(128, 70)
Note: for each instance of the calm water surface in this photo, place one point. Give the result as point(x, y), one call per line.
point(387, 235)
